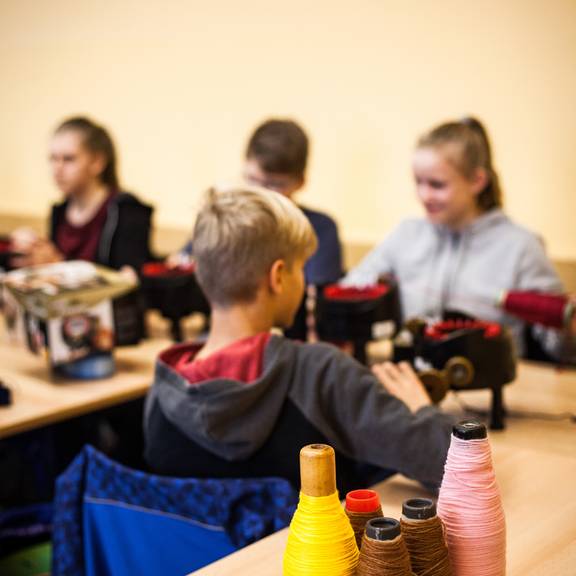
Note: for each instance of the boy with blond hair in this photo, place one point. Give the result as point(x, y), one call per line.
point(276, 158)
point(245, 403)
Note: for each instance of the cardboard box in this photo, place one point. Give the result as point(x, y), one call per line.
point(64, 310)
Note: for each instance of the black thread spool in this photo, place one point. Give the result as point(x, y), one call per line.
point(424, 536)
point(383, 551)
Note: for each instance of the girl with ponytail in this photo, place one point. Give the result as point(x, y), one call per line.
point(466, 252)
point(96, 221)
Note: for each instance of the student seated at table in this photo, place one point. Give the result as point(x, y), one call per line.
point(466, 252)
point(276, 159)
point(245, 403)
point(96, 221)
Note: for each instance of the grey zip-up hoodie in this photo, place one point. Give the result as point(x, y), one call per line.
point(468, 271)
point(334, 394)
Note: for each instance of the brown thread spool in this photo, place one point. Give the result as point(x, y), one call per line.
point(424, 536)
point(383, 551)
point(361, 506)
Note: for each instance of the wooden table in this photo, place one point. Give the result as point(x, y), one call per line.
point(39, 398)
point(535, 462)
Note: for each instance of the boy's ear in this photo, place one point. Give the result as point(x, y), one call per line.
point(276, 276)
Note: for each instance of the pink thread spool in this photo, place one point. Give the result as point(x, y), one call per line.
point(470, 506)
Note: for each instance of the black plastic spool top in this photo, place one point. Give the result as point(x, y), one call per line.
point(382, 529)
point(419, 508)
point(470, 430)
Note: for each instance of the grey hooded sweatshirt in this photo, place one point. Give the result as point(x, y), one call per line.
point(306, 393)
point(468, 271)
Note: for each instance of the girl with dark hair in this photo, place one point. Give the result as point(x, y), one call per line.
point(97, 221)
point(467, 251)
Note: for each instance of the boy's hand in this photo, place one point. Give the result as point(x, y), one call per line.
point(401, 381)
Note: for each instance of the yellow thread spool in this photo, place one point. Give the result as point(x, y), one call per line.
point(321, 540)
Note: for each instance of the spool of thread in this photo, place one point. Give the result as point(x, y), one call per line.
point(424, 536)
point(321, 541)
point(551, 310)
point(361, 506)
point(470, 506)
point(384, 551)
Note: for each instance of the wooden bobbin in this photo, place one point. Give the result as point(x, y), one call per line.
point(318, 470)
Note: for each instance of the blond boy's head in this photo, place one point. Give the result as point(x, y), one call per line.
point(240, 233)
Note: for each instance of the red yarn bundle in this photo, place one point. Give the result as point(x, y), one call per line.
point(551, 310)
point(353, 294)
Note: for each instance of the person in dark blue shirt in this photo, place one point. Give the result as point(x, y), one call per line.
point(276, 159)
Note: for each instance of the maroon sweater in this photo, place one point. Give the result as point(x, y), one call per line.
point(81, 242)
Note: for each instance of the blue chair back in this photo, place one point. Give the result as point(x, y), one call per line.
point(111, 520)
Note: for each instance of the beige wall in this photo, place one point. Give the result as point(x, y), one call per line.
point(181, 83)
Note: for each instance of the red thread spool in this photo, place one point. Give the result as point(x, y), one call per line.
point(441, 330)
point(362, 501)
point(159, 269)
point(362, 506)
point(352, 294)
point(551, 310)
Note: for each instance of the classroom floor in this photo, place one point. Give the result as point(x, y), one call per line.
point(32, 561)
